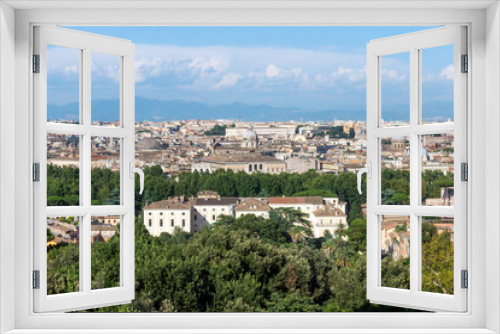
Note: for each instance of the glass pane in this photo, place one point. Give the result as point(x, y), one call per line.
point(395, 252)
point(63, 170)
point(105, 252)
point(105, 89)
point(437, 254)
point(438, 169)
point(63, 255)
point(63, 84)
point(395, 170)
point(395, 89)
point(437, 84)
point(105, 171)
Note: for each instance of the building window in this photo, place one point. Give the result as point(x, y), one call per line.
point(183, 213)
point(183, 222)
point(195, 217)
point(213, 217)
point(249, 168)
point(172, 222)
point(260, 166)
point(150, 213)
point(161, 222)
point(161, 213)
point(150, 223)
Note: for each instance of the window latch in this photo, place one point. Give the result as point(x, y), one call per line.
point(139, 171)
point(368, 171)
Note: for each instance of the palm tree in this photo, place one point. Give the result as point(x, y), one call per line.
point(295, 233)
point(329, 246)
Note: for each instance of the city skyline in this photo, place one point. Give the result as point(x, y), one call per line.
point(264, 66)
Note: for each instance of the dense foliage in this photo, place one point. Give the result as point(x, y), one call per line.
point(251, 263)
point(217, 130)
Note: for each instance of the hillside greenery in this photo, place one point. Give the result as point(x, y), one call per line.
point(249, 264)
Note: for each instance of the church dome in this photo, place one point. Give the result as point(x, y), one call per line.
point(250, 134)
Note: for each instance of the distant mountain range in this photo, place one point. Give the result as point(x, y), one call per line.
point(156, 110)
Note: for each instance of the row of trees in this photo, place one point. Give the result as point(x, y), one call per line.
point(63, 186)
point(251, 263)
point(248, 264)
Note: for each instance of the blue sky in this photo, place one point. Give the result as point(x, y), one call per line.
point(312, 68)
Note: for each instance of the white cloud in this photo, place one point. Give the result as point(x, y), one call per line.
point(393, 75)
point(447, 73)
point(147, 68)
point(210, 65)
point(350, 74)
point(71, 70)
point(272, 71)
point(228, 80)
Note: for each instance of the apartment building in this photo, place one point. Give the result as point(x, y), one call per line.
point(194, 214)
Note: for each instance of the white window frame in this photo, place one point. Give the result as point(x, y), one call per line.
point(86, 43)
point(413, 44)
point(482, 315)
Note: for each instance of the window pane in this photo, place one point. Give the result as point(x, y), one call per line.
point(395, 89)
point(437, 254)
point(438, 169)
point(395, 169)
point(63, 172)
point(63, 255)
point(105, 89)
point(105, 252)
point(395, 252)
point(106, 171)
point(63, 84)
point(437, 84)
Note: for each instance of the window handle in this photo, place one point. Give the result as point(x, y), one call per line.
point(139, 171)
point(368, 171)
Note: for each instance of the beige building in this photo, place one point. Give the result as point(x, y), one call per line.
point(206, 210)
point(327, 219)
point(252, 206)
point(166, 215)
point(249, 163)
point(395, 236)
point(325, 214)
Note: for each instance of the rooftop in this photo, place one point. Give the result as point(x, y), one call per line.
point(313, 200)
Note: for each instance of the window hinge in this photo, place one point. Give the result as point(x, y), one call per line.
point(36, 172)
point(464, 171)
point(465, 279)
point(36, 63)
point(36, 279)
point(465, 64)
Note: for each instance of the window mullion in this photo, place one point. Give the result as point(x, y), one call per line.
point(414, 169)
point(86, 175)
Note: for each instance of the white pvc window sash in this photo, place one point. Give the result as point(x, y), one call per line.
point(86, 297)
point(414, 43)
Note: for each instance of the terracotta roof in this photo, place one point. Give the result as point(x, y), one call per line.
point(103, 227)
point(223, 201)
point(171, 204)
point(246, 158)
point(252, 204)
point(329, 212)
point(314, 200)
